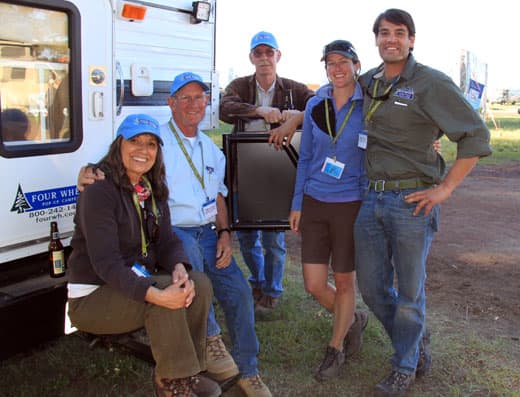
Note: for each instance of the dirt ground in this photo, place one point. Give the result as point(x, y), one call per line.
point(474, 263)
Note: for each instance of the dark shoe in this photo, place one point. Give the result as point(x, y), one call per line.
point(265, 305)
point(257, 294)
point(354, 339)
point(394, 385)
point(181, 387)
point(203, 386)
point(220, 364)
point(425, 356)
point(331, 364)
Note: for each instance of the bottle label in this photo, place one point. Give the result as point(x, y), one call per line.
point(55, 236)
point(58, 262)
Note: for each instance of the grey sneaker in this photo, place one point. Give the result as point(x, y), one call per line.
point(394, 385)
point(425, 356)
point(354, 339)
point(331, 364)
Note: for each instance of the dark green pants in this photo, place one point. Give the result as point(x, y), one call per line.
point(177, 337)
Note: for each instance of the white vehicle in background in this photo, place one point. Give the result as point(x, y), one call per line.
point(70, 71)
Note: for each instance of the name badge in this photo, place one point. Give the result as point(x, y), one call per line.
point(333, 168)
point(362, 140)
point(140, 270)
point(209, 210)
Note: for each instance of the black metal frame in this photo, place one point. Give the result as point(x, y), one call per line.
point(232, 143)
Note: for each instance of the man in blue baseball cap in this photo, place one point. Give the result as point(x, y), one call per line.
point(274, 104)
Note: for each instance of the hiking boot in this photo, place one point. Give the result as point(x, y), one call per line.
point(394, 385)
point(354, 338)
point(425, 356)
point(331, 364)
point(257, 294)
point(254, 387)
point(203, 386)
point(181, 387)
point(219, 362)
point(265, 305)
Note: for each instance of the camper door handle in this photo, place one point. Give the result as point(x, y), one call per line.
point(121, 88)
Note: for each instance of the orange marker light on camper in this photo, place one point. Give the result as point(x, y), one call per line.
point(133, 12)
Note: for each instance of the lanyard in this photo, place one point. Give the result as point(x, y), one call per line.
point(199, 177)
point(343, 123)
point(375, 103)
point(144, 245)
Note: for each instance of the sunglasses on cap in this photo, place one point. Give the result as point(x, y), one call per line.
point(341, 47)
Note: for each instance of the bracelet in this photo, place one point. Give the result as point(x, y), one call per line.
point(226, 229)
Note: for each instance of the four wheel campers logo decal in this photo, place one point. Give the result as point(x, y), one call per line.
point(57, 203)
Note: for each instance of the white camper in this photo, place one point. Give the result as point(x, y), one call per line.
point(70, 71)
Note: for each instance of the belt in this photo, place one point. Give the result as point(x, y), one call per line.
point(380, 185)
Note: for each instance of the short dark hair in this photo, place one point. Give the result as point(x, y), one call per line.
point(397, 17)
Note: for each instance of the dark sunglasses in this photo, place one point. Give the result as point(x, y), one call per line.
point(152, 225)
point(385, 95)
point(343, 46)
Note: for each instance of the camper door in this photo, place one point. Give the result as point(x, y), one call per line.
point(56, 105)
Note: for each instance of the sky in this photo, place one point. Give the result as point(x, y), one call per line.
point(489, 29)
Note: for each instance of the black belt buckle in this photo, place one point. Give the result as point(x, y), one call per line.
point(379, 185)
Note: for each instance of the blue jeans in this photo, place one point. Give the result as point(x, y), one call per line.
point(232, 292)
point(264, 255)
point(390, 241)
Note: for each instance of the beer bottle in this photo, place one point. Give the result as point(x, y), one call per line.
point(56, 253)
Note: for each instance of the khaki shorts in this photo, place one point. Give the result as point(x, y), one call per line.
point(328, 233)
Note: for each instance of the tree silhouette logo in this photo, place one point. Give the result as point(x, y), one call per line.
point(20, 202)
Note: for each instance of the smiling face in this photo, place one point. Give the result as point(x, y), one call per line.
point(188, 106)
point(138, 155)
point(394, 43)
point(341, 71)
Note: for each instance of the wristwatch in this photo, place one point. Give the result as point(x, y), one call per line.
point(226, 229)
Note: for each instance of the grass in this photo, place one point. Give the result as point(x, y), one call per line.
point(292, 344)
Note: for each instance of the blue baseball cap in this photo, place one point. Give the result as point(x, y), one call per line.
point(185, 78)
point(137, 124)
point(265, 38)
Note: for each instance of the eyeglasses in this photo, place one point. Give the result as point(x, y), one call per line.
point(269, 53)
point(197, 100)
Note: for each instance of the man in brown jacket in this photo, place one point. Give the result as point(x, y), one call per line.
point(265, 102)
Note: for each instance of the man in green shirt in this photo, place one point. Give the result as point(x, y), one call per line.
point(407, 107)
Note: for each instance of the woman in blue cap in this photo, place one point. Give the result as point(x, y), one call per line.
point(127, 269)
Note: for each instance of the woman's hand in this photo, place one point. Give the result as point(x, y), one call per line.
point(176, 296)
point(294, 220)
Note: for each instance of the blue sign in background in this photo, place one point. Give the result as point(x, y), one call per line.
point(43, 199)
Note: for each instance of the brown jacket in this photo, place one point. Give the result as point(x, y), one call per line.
point(240, 96)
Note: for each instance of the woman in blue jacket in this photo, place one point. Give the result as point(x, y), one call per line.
point(327, 196)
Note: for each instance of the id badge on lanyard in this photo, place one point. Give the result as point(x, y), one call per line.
point(209, 210)
point(333, 168)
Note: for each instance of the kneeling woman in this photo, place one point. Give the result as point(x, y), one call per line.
point(122, 237)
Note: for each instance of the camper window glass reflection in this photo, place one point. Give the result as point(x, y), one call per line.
point(34, 77)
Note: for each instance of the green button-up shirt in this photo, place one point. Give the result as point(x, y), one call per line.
point(422, 105)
